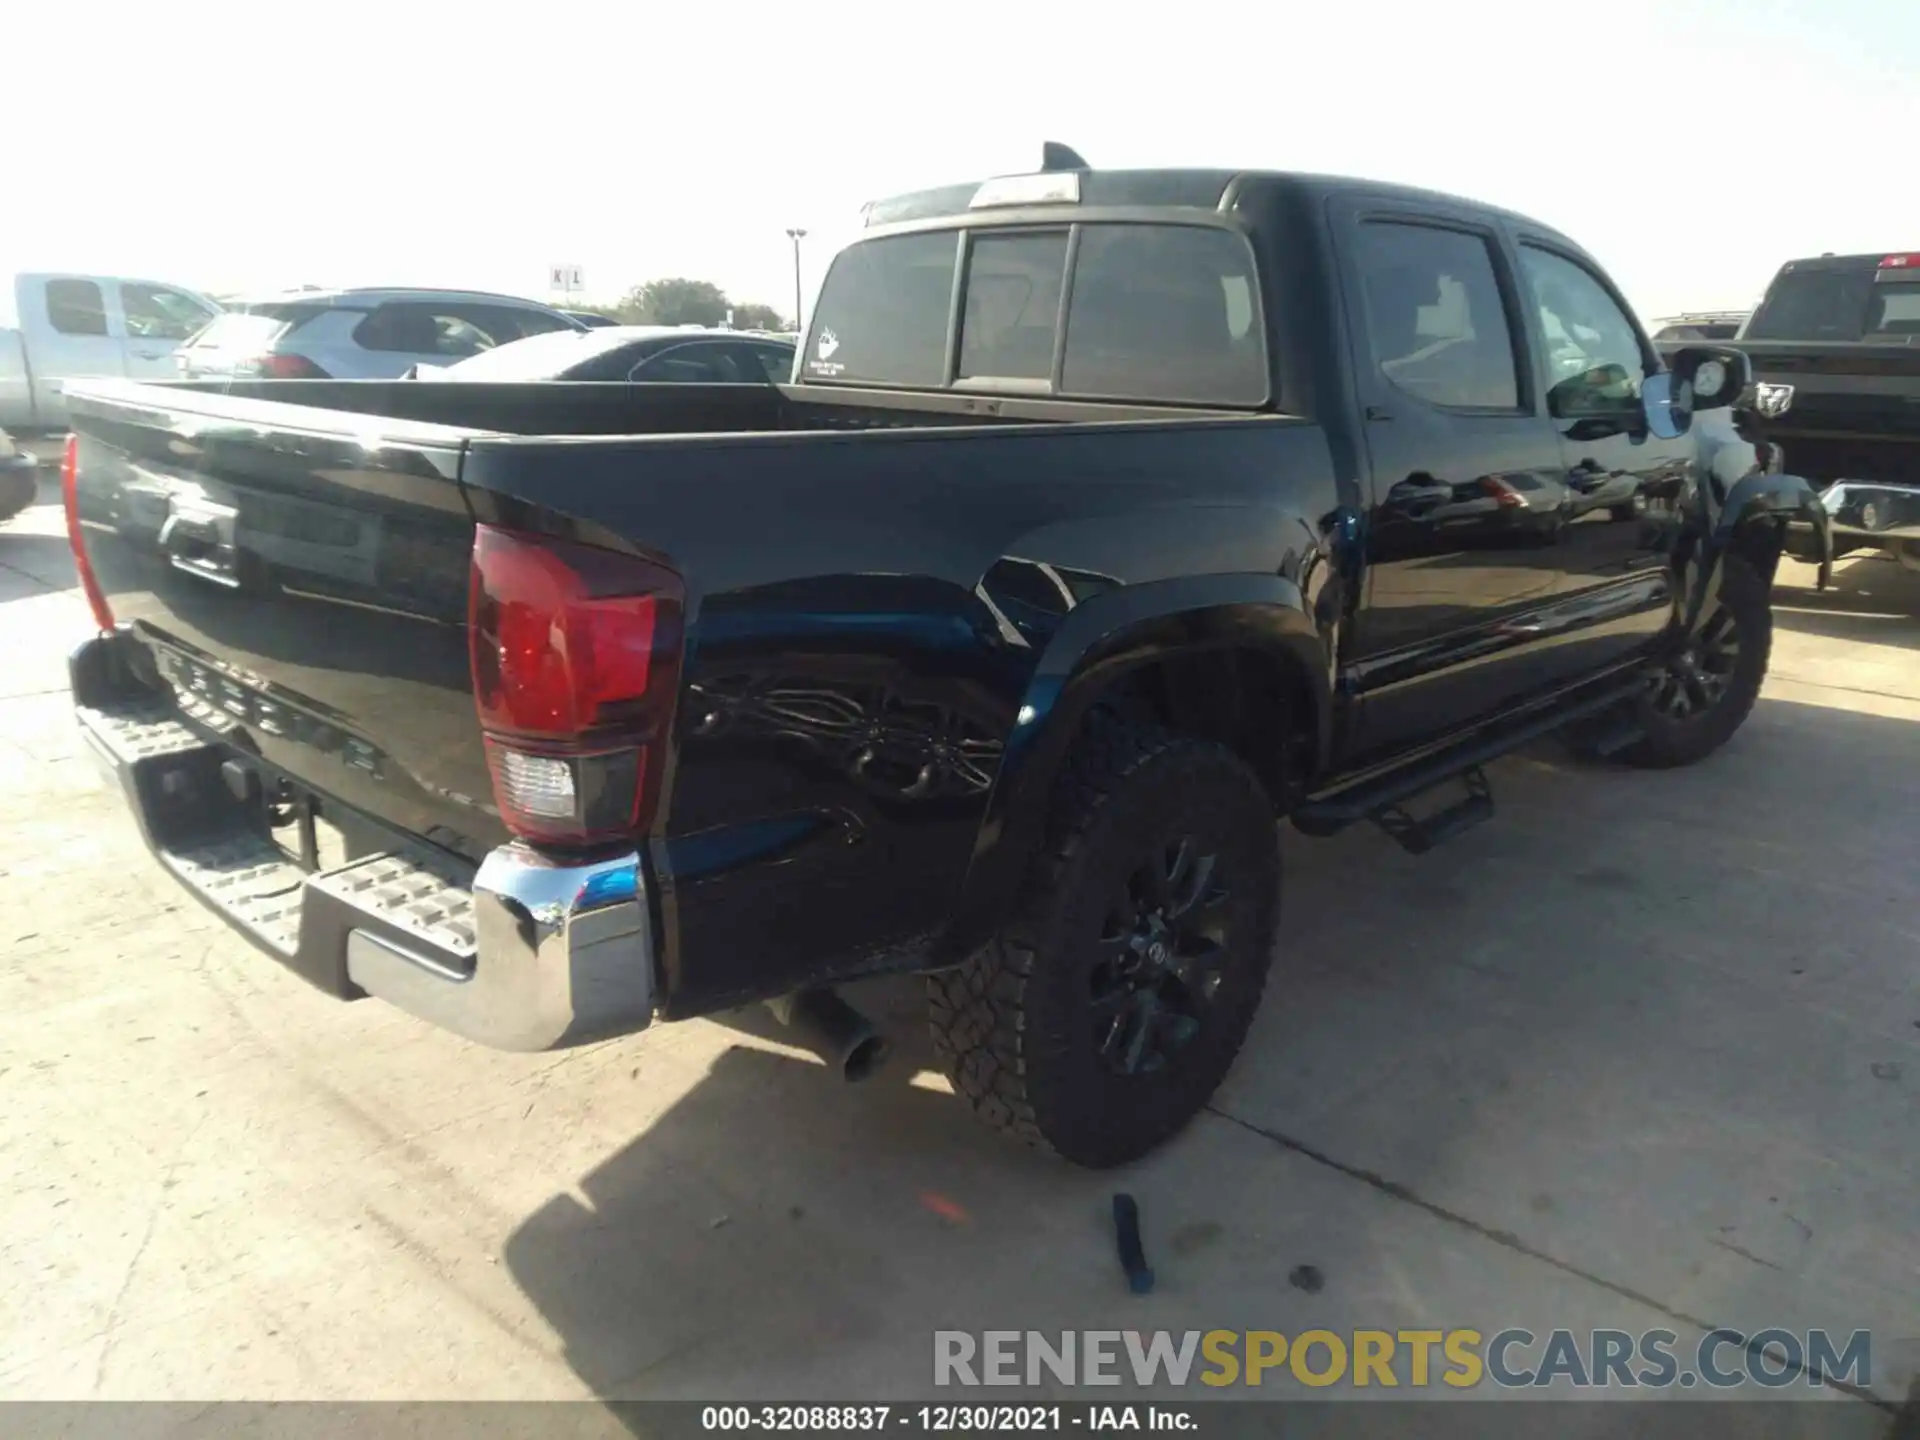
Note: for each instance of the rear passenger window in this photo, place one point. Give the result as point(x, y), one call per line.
point(1435, 317)
point(1164, 312)
point(1013, 306)
point(400, 329)
point(450, 332)
point(74, 307)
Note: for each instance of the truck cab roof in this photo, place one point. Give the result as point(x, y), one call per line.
point(1168, 286)
point(1191, 189)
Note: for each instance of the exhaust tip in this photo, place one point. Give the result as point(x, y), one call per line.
point(833, 1030)
point(864, 1057)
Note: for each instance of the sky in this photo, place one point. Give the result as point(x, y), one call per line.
point(1690, 145)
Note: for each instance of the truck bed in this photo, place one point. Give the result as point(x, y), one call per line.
point(292, 561)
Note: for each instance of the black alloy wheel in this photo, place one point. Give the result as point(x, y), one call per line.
point(1700, 672)
point(1160, 958)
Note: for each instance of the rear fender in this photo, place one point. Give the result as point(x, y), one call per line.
point(1095, 648)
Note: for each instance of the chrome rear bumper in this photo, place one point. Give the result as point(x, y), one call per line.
point(523, 953)
point(1873, 510)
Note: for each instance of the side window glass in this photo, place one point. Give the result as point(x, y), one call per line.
point(510, 322)
point(441, 331)
point(1434, 316)
point(459, 336)
point(689, 364)
point(1594, 362)
point(535, 322)
point(777, 362)
point(154, 313)
point(400, 329)
point(74, 307)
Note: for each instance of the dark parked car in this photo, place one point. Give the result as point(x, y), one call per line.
point(629, 352)
point(591, 319)
point(991, 647)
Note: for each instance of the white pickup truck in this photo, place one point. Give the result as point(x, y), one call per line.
point(55, 328)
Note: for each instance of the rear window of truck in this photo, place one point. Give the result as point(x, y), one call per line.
point(1155, 313)
point(1814, 305)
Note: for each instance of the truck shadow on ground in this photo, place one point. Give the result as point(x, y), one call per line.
point(1613, 933)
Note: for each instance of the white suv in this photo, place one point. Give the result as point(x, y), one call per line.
point(358, 334)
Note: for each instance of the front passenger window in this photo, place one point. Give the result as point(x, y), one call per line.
point(1594, 360)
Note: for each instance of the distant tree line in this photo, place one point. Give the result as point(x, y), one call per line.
point(678, 301)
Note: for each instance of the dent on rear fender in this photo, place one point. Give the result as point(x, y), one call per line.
point(1093, 647)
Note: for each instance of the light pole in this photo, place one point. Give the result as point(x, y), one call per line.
point(796, 236)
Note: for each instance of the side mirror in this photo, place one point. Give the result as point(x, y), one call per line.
point(1709, 377)
point(1667, 418)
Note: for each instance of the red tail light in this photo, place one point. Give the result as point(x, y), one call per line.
point(70, 497)
point(576, 658)
point(290, 367)
point(1901, 262)
point(1507, 497)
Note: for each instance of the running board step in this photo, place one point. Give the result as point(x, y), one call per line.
point(1617, 736)
point(1417, 837)
point(1384, 795)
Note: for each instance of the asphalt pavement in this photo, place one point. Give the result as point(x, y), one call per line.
point(1642, 1053)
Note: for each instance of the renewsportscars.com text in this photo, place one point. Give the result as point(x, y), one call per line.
point(1461, 1359)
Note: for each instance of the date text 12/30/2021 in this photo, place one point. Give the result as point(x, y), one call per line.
point(945, 1419)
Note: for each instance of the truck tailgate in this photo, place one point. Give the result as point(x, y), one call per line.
point(299, 578)
point(1865, 389)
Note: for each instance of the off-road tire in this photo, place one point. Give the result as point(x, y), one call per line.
point(1013, 1026)
point(1665, 742)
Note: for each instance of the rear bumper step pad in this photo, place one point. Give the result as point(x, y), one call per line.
point(521, 954)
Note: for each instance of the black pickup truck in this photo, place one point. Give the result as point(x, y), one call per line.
point(1109, 517)
point(1835, 352)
